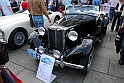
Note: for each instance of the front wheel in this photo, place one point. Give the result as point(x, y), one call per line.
point(17, 38)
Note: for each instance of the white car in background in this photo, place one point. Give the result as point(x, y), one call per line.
point(14, 29)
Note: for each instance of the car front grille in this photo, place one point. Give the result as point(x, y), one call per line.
point(56, 39)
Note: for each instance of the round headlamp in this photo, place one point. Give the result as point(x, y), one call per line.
point(72, 35)
point(40, 49)
point(56, 54)
point(41, 31)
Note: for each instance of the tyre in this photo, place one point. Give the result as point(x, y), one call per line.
point(18, 38)
point(86, 62)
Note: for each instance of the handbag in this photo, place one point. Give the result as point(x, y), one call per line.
point(8, 76)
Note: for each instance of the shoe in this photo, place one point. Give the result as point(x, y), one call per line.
point(121, 62)
point(111, 31)
point(110, 21)
point(99, 39)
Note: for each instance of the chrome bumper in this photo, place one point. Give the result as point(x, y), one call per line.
point(3, 41)
point(63, 63)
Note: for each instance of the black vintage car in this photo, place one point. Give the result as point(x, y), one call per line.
point(71, 39)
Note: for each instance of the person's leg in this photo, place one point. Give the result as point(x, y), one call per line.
point(111, 14)
point(34, 21)
point(122, 25)
point(122, 21)
point(113, 23)
point(38, 21)
point(118, 24)
point(53, 9)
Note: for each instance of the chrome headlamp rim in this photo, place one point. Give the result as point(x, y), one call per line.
point(41, 49)
point(72, 35)
point(41, 31)
point(1, 32)
point(56, 53)
point(33, 34)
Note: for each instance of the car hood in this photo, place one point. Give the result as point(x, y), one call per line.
point(4, 20)
point(71, 20)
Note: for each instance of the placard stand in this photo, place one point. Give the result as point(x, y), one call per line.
point(52, 77)
point(45, 68)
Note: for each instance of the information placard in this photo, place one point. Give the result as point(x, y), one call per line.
point(45, 68)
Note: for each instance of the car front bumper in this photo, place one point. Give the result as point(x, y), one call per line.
point(3, 41)
point(63, 63)
point(2, 36)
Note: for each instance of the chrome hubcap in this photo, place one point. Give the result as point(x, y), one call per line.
point(19, 38)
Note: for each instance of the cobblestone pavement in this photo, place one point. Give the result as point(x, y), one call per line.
point(104, 68)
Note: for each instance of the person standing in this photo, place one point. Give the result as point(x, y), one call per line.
point(84, 2)
point(24, 5)
point(117, 15)
point(6, 7)
point(57, 5)
point(13, 3)
point(37, 8)
point(96, 2)
point(119, 43)
point(47, 2)
point(74, 2)
point(53, 6)
point(113, 4)
point(89, 2)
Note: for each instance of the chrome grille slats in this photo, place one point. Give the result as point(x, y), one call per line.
point(56, 39)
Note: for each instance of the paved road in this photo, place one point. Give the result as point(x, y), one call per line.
point(104, 68)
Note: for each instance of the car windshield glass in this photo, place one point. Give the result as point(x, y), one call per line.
point(76, 19)
point(88, 9)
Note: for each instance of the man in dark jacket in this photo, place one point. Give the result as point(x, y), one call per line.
point(119, 43)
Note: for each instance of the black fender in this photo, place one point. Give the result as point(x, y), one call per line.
point(82, 49)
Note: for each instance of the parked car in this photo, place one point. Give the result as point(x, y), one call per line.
point(71, 39)
point(15, 29)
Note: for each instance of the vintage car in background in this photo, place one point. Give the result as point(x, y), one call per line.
point(71, 39)
point(15, 29)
